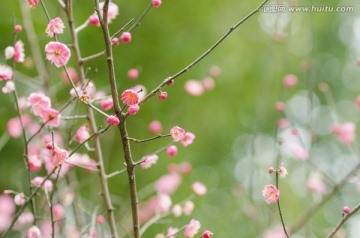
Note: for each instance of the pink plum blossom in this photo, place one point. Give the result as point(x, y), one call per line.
point(177, 133)
point(282, 171)
point(171, 150)
point(207, 234)
point(290, 81)
point(59, 156)
point(168, 183)
point(47, 185)
point(125, 37)
point(9, 87)
point(280, 106)
point(33, 232)
point(156, 3)
point(283, 123)
point(9, 52)
point(100, 219)
point(113, 120)
point(17, 28)
point(14, 128)
point(163, 95)
point(148, 161)
point(58, 53)
point(155, 127)
point(199, 188)
point(271, 193)
point(107, 103)
point(176, 210)
point(38, 101)
point(315, 184)
point(194, 88)
point(133, 74)
point(346, 210)
point(192, 228)
point(115, 41)
point(7, 208)
point(130, 97)
point(83, 161)
point(82, 134)
point(188, 139)
point(20, 199)
point(171, 232)
point(58, 212)
point(299, 152)
point(164, 202)
point(113, 11)
point(6, 73)
point(345, 132)
point(34, 163)
point(19, 55)
point(50, 116)
point(32, 3)
point(55, 27)
point(208, 83)
point(133, 109)
point(188, 207)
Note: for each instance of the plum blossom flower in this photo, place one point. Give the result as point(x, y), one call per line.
point(58, 212)
point(113, 120)
point(133, 109)
point(188, 207)
point(55, 27)
point(6, 73)
point(20, 199)
point(50, 116)
point(155, 127)
point(59, 156)
point(177, 133)
point(47, 185)
point(194, 88)
point(282, 171)
point(17, 28)
point(133, 74)
point(33, 232)
point(125, 37)
point(199, 188)
point(32, 3)
point(82, 134)
point(271, 193)
point(9, 87)
point(345, 132)
point(156, 3)
point(38, 102)
point(58, 53)
point(207, 234)
point(168, 183)
point(9, 52)
point(148, 161)
point(290, 81)
point(192, 228)
point(171, 150)
point(113, 11)
point(176, 210)
point(34, 163)
point(171, 232)
point(208, 83)
point(188, 139)
point(14, 125)
point(299, 152)
point(107, 103)
point(19, 55)
point(314, 183)
point(164, 202)
point(130, 97)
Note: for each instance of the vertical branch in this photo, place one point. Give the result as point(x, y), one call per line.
point(122, 126)
point(278, 205)
point(91, 118)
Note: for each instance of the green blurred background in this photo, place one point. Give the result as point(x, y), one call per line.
point(235, 124)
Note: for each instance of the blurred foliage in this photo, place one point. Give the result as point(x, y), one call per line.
point(253, 61)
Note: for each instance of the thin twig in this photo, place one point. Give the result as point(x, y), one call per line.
point(137, 23)
point(279, 208)
point(146, 140)
point(343, 220)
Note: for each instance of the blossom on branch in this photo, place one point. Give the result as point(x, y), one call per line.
point(6, 73)
point(55, 27)
point(192, 228)
point(19, 55)
point(58, 53)
point(113, 11)
point(177, 133)
point(271, 193)
point(32, 3)
point(130, 97)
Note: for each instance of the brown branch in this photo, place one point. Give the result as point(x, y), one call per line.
point(343, 220)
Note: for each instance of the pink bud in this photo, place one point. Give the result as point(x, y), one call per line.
point(280, 106)
point(58, 212)
point(156, 3)
point(163, 95)
point(155, 127)
point(113, 120)
point(7, 192)
point(19, 199)
point(215, 71)
point(100, 219)
point(17, 28)
point(199, 188)
point(133, 109)
point(171, 82)
point(271, 170)
point(133, 74)
point(207, 234)
point(208, 83)
point(171, 150)
point(115, 41)
point(125, 37)
point(290, 81)
point(49, 146)
point(346, 210)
